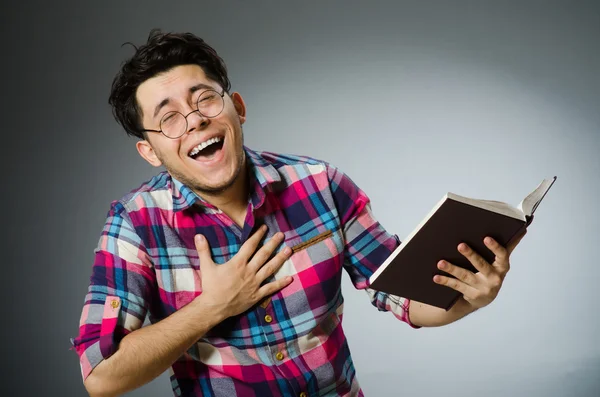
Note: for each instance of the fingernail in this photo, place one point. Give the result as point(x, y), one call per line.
point(488, 240)
point(199, 238)
point(287, 250)
point(442, 265)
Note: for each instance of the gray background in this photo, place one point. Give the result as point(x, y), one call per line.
point(411, 99)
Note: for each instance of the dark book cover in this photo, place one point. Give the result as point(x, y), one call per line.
point(410, 272)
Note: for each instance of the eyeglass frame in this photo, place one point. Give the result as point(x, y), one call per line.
point(222, 95)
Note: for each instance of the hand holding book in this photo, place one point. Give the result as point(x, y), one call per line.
point(413, 270)
point(481, 288)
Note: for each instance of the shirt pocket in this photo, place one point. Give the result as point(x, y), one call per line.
point(315, 265)
point(322, 249)
point(311, 241)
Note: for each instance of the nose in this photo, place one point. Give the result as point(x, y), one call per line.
point(196, 121)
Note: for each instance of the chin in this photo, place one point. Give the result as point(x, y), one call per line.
point(217, 187)
point(214, 189)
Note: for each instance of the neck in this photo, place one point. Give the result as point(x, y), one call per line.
point(234, 200)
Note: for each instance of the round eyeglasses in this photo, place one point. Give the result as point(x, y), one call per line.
point(174, 124)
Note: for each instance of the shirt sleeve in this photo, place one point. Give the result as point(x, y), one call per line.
point(118, 294)
point(367, 243)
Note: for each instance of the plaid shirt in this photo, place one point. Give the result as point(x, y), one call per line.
point(291, 344)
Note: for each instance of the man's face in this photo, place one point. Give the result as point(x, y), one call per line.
point(214, 168)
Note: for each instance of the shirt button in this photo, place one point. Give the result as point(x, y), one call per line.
point(114, 304)
point(268, 318)
point(279, 356)
point(303, 394)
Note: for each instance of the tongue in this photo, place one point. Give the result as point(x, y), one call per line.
point(209, 151)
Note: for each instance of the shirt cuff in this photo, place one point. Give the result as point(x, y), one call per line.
point(97, 342)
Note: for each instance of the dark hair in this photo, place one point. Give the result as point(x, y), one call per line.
point(162, 52)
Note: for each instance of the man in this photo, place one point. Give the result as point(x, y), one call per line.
point(235, 255)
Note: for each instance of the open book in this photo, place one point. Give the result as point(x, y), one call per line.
point(408, 272)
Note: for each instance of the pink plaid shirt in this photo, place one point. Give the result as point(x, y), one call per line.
point(293, 343)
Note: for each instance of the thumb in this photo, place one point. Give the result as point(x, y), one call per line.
point(203, 250)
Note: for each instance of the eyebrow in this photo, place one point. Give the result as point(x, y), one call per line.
point(165, 102)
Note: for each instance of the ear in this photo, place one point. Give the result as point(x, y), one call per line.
point(148, 153)
point(240, 106)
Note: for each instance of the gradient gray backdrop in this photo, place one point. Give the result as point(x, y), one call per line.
point(411, 99)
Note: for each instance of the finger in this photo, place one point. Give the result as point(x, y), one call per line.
point(476, 260)
point(265, 252)
point(272, 287)
point(456, 285)
point(274, 264)
point(501, 260)
point(203, 249)
point(463, 275)
point(249, 247)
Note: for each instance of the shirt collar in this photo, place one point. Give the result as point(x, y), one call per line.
point(263, 172)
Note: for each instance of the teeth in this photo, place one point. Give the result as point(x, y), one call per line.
point(204, 145)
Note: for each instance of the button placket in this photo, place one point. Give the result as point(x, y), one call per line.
point(276, 352)
point(267, 314)
point(277, 348)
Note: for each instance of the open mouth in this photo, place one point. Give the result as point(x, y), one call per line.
point(208, 149)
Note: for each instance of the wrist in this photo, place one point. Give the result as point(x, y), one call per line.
point(461, 308)
point(209, 310)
